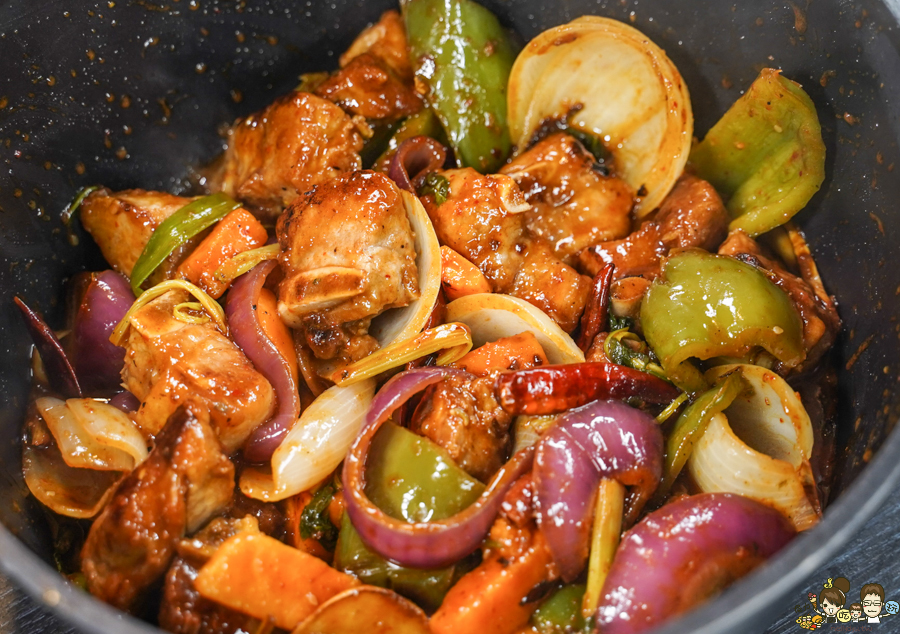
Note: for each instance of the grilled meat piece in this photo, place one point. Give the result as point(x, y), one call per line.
point(296, 143)
point(573, 205)
point(692, 215)
point(185, 480)
point(169, 362)
point(121, 224)
point(348, 254)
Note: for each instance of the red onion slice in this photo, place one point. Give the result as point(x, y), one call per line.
point(59, 369)
point(421, 544)
point(250, 337)
point(683, 553)
point(605, 439)
point(97, 361)
point(126, 402)
point(414, 159)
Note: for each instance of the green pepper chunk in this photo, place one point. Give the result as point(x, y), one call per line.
point(765, 155)
point(315, 522)
point(436, 185)
point(463, 56)
point(561, 612)
point(706, 306)
point(177, 229)
point(691, 425)
point(410, 478)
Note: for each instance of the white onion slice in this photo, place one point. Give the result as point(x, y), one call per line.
point(93, 435)
point(78, 493)
point(315, 446)
point(625, 89)
point(110, 426)
point(492, 316)
point(760, 447)
point(399, 324)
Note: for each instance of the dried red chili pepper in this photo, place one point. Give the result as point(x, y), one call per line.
point(555, 389)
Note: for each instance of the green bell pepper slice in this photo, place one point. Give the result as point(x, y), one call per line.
point(463, 56)
point(706, 306)
point(765, 155)
point(177, 229)
point(410, 478)
point(561, 612)
point(692, 424)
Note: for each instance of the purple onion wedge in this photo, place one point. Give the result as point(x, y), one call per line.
point(682, 554)
point(250, 337)
point(604, 439)
point(421, 544)
point(415, 158)
point(97, 362)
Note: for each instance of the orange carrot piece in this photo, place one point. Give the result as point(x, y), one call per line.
point(519, 352)
point(276, 330)
point(237, 232)
point(489, 599)
point(260, 576)
point(460, 277)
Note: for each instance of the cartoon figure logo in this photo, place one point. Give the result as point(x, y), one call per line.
point(828, 605)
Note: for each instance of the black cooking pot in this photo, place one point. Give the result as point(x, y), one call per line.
point(131, 93)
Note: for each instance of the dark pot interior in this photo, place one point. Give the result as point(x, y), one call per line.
point(131, 94)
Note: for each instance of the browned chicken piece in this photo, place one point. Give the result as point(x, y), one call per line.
point(183, 610)
point(367, 87)
point(482, 220)
point(692, 215)
point(169, 363)
point(298, 142)
point(821, 322)
point(184, 480)
point(554, 287)
point(463, 416)
point(121, 224)
point(385, 40)
point(573, 206)
point(348, 254)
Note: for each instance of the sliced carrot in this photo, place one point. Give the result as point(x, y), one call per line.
point(237, 232)
point(260, 576)
point(276, 330)
point(491, 598)
point(519, 352)
point(460, 277)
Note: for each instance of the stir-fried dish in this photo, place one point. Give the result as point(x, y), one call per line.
point(456, 339)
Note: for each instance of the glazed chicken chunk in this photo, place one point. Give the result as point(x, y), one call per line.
point(463, 416)
point(484, 220)
point(348, 254)
point(573, 205)
point(183, 482)
point(386, 41)
point(375, 80)
point(296, 143)
point(169, 362)
point(367, 87)
point(121, 224)
point(692, 215)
